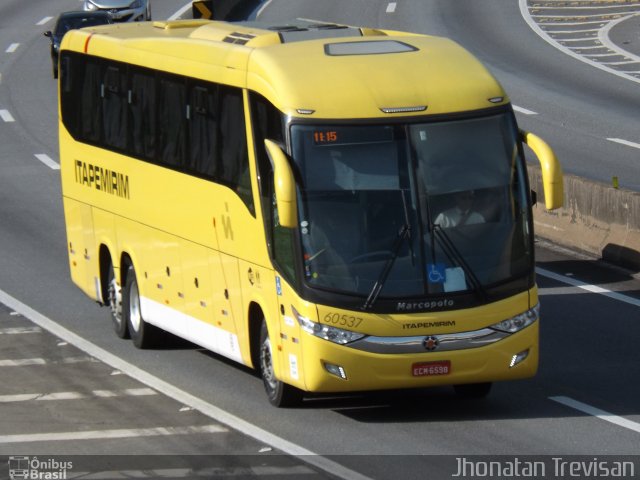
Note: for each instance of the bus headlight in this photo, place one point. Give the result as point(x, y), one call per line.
point(517, 323)
point(327, 332)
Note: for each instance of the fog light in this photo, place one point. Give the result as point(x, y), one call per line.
point(518, 357)
point(336, 370)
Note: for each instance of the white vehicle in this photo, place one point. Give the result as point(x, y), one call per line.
point(121, 10)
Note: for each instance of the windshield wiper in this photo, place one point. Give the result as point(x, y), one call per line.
point(403, 233)
point(454, 254)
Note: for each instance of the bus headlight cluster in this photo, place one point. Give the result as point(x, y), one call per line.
point(327, 332)
point(517, 323)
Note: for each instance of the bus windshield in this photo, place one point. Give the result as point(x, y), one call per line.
point(408, 210)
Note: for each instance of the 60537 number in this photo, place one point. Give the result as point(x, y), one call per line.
point(342, 320)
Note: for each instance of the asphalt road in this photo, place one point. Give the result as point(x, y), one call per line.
point(584, 400)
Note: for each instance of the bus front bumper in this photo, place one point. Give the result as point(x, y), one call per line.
point(329, 367)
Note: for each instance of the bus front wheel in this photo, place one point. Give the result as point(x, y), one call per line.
point(142, 333)
point(279, 393)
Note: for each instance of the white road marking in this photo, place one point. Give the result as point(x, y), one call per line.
point(524, 110)
point(262, 8)
point(564, 6)
point(6, 116)
point(391, 8)
point(571, 16)
point(82, 359)
point(19, 330)
point(12, 48)
point(22, 362)
point(596, 412)
point(624, 142)
point(589, 288)
point(545, 35)
point(180, 12)
point(603, 36)
point(216, 413)
point(104, 434)
point(44, 20)
point(47, 161)
point(25, 397)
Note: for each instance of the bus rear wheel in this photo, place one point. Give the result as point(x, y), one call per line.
point(115, 305)
point(143, 334)
point(279, 393)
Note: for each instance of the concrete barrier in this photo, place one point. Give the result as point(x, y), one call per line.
point(596, 218)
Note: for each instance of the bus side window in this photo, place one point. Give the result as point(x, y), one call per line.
point(172, 141)
point(91, 122)
point(203, 131)
point(142, 108)
point(234, 159)
point(72, 79)
point(114, 101)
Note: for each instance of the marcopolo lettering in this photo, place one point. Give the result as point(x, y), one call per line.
point(426, 305)
point(103, 179)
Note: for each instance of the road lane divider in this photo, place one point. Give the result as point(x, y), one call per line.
point(6, 116)
point(46, 159)
point(624, 142)
point(26, 397)
point(523, 110)
point(596, 412)
point(107, 434)
point(44, 21)
point(588, 287)
point(19, 330)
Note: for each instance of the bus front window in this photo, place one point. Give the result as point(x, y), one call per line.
point(419, 209)
point(356, 196)
point(471, 182)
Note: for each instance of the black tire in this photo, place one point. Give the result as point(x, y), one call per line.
point(473, 390)
point(115, 305)
point(280, 394)
point(143, 334)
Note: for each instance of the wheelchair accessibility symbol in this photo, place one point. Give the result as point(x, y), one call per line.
point(436, 272)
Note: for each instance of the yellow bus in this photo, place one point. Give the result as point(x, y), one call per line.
point(341, 208)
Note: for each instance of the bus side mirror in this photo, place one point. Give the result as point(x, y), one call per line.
point(551, 170)
point(285, 185)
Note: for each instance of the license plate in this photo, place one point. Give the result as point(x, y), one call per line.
point(427, 369)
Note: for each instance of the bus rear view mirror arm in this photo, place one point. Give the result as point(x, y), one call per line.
point(551, 170)
point(284, 185)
